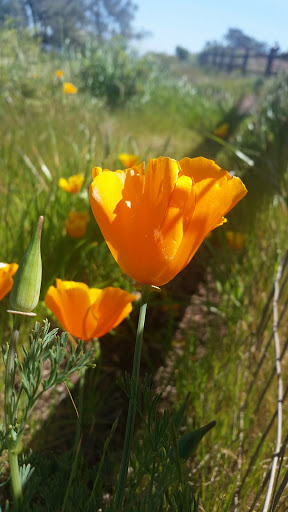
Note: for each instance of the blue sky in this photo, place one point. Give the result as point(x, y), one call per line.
point(190, 23)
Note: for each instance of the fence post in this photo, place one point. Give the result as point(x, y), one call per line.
point(221, 58)
point(214, 57)
point(245, 62)
point(203, 57)
point(231, 58)
point(274, 50)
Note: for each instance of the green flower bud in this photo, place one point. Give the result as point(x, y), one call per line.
point(25, 292)
point(189, 442)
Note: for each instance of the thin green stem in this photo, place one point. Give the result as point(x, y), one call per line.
point(72, 475)
point(10, 412)
point(133, 400)
point(80, 408)
point(102, 460)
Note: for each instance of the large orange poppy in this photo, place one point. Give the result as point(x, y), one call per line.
point(154, 221)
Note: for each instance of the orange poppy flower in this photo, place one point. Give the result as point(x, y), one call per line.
point(7, 270)
point(59, 73)
point(76, 224)
point(73, 184)
point(236, 240)
point(69, 88)
point(154, 221)
point(129, 160)
point(85, 312)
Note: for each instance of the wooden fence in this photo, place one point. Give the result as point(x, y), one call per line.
point(229, 59)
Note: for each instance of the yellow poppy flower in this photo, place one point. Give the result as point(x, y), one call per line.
point(76, 224)
point(69, 88)
point(59, 73)
point(73, 184)
point(7, 270)
point(85, 312)
point(236, 240)
point(154, 221)
point(222, 131)
point(129, 160)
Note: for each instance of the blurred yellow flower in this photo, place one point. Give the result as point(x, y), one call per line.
point(129, 160)
point(222, 131)
point(236, 240)
point(7, 270)
point(85, 312)
point(76, 224)
point(73, 184)
point(59, 73)
point(69, 88)
point(154, 220)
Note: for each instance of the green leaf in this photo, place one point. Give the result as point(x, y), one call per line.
point(25, 472)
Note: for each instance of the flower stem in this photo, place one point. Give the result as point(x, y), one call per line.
point(10, 412)
point(80, 409)
point(133, 400)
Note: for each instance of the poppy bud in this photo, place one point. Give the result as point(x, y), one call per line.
point(189, 442)
point(27, 281)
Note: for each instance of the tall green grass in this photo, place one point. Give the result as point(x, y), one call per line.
point(219, 364)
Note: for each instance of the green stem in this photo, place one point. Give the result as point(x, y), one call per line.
point(133, 400)
point(80, 408)
point(10, 412)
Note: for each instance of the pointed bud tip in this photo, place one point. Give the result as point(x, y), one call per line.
point(40, 221)
point(40, 225)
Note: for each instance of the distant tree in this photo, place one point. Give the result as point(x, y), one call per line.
point(15, 10)
point(57, 21)
point(237, 39)
point(212, 44)
point(5, 10)
point(181, 53)
point(108, 18)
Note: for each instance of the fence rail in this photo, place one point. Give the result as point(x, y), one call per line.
point(228, 59)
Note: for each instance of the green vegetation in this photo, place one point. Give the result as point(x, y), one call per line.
point(61, 22)
point(208, 343)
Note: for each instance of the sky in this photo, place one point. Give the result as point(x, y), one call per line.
point(191, 23)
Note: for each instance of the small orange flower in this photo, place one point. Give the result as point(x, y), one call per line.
point(69, 88)
point(76, 224)
point(154, 221)
point(73, 184)
point(7, 270)
point(85, 312)
point(59, 73)
point(129, 160)
point(236, 240)
point(222, 131)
